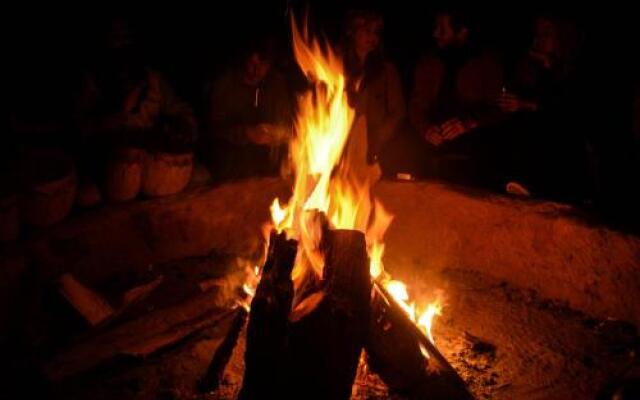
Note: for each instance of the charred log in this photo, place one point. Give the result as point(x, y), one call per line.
point(393, 350)
point(326, 344)
point(265, 373)
point(215, 371)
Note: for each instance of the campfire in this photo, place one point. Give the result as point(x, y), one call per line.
point(322, 294)
point(393, 215)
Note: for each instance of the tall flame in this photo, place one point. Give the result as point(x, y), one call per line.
point(324, 180)
point(332, 177)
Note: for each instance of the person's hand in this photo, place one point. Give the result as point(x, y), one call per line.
point(261, 134)
point(545, 59)
point(452, 128)
point(508, 102)
point(433, 136)
point(279, 133)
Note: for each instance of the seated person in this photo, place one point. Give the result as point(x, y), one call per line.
point(374, 84)
point(123, 102)
point(454, 89)
point(250, 117)
point(542, 102)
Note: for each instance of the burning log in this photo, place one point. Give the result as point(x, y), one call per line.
point(326, 344)
point(215, 371)
point(268, 328)
point(394, 352)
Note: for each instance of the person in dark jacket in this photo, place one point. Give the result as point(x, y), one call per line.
point(374, 84)
point(452, 105)
point(250, 116)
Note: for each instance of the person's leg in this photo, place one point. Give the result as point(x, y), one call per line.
point(472, 159)
point(519, 157)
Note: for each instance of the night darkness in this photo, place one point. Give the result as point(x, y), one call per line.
point(49, 48)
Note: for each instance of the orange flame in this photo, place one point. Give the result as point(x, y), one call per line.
point(278, 214)
point(381, 221)
point(251, 280)
point(332, 177)
point(398, 290)
point(426, 319)
point(322, 182)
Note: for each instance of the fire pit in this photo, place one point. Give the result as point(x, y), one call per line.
point(493, 301)
point(323, 295)
point(503, 340)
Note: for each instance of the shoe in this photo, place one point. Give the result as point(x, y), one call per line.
point(517, 189)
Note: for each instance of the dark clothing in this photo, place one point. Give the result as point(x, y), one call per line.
point(129, 106)
point(235, 106)
point(109, 106)
point(546, 149)
point(460, 83)
point(381, 101)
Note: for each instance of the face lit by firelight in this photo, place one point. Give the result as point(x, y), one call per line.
point(256, 69)
point(444, 33)
point(367, 36)
point(545, 40)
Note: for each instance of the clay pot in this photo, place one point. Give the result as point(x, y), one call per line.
point(166, 173)
point(124, 174)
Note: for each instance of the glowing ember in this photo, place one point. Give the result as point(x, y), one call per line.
point(278, 214)
point(426, 319)
point(398, 290)
point(251, 280)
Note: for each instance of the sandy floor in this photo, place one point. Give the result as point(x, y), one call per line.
point(505, 342)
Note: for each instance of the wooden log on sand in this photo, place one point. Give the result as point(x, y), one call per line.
point(326, 344)
point(268, 328)
point(394, 352)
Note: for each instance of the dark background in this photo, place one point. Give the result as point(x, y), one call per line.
point(48, 48)
point(190, 42)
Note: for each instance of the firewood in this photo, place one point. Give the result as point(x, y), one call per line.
point(95, 309)
point(212, 283)
point(144, 349)
point(91, 305)
point(326, 344)
point(138, 338)
point(268, 327)
point(138, 293)
point(215, 371)
point(393, 352)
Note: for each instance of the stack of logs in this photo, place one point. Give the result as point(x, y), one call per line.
point(316, 356)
